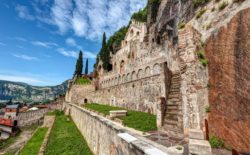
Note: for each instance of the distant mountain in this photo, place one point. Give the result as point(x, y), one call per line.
point(24, 92)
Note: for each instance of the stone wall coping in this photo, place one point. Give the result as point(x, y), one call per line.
point(134, 139)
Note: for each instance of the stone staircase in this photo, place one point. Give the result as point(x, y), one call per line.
point(173, 119)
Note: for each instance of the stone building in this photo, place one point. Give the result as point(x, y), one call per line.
point(159, 69)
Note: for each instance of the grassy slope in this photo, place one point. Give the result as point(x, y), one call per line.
point(65, 139)
point(135, 119)
point(34, 144)
point(82, 81)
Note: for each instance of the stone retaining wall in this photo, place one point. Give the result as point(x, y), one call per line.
point(109, 138)
point(141, 95)
point(32, 117)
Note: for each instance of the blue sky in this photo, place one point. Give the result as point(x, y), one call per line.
point(40, 39)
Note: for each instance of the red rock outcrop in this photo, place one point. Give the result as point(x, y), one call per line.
point(228, 53)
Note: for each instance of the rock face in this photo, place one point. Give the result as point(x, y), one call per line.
point(24, 92)
point(228, 53)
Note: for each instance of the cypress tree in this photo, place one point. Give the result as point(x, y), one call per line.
point(105, 54)
point(79, 65)
point(87, 67)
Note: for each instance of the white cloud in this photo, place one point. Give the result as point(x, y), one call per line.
point(2, 44)
point(23, 12)
point(25, 57)
point(72, 42)
point(20, 39)
point(89, 55)
point(44, 44)
point(74, 54)
point(25, 79)
point(86, 18)
point(61, 14)
point(67, 53)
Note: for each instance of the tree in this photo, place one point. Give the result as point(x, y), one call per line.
point(79, 65)
point(87, 67)
point(105, 54)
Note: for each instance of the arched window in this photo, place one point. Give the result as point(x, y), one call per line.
point(122, 66)
point(131, 31)
point(138, 33)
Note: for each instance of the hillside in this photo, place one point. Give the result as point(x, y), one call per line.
point(25, 92)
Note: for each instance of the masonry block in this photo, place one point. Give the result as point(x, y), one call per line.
point(196, 134)
point(199, 147)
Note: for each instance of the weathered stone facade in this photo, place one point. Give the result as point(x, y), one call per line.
point(139, 80)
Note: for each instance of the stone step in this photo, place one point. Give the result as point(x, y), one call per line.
point(171, 116)
point(170, 96)
point(172, 100)
point(175, 85)
point(173, 107)
point(176, 77)
point(170, 122)
point(174, 90)
point(174, 93)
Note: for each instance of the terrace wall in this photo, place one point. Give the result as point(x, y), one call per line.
point(32, 117)
point(103, 135)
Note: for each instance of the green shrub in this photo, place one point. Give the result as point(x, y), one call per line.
point(198, 3)
point(141, 15)
point(216, 142)
point(181, 25)
point(204, 62)
point(223, 5)
point(114, 42)
point(200, 13)
point(202, 58)
point(208, 109)
point(201, 54)
point(82, 81)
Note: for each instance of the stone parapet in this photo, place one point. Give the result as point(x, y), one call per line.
point(106, 137)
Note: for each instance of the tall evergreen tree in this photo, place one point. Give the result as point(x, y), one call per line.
point(105, 54)
point(87, 67)
point(79, 65)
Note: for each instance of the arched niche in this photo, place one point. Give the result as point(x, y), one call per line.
point(140, 73)
point(133, 75)
point(147, 71)
point(156, 69)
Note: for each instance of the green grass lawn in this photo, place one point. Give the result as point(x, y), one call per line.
point(34, 144)
point(82, 81)
point(55, 113)
point(138, 120)
point(66, 139)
